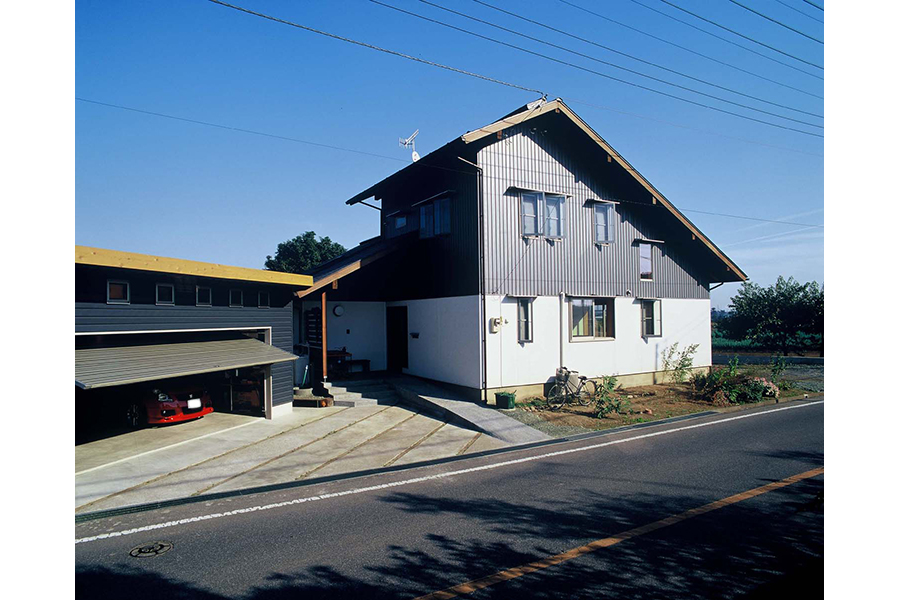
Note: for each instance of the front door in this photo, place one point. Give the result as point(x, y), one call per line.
point(397, 342)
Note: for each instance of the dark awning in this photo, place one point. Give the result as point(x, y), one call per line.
point(120, 365)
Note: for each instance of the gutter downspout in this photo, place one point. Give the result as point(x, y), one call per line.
point(482, 309)
point(562, 329)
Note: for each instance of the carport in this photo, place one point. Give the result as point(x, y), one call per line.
point(135, 359)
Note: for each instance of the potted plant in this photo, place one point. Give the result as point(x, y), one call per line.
point(505, 400)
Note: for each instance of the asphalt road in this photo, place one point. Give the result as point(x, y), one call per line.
point(385, 536)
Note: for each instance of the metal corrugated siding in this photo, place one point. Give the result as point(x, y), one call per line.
point(120, 365)
point(93, 317)
point(574, 265)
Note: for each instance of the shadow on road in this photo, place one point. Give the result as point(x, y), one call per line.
point(769, 547)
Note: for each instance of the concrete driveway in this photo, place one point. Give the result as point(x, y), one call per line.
point(224, 452)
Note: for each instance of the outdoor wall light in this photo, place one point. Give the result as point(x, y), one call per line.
point(338, 310)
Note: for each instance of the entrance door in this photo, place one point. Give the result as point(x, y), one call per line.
point(397, 342)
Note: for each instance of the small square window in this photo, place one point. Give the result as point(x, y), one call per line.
point(592, 317)
point(204, 296)
point(118, 292)
point(264, 299)
point(400, 222)
point(165, 294)
point(235, 298)
point(525, 320)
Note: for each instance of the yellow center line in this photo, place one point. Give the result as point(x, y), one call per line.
point(477, 584)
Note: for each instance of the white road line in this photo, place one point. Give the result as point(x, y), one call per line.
point(405, 482)
point(194, 439)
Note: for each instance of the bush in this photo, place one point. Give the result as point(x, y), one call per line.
point(677, 364)
point(607, 402)
point(725, 386)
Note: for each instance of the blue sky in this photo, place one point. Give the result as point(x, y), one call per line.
point(158, 186)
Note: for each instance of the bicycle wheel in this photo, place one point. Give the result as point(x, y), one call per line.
point(588, 393)
point(556, 397)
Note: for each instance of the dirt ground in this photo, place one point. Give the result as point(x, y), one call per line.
point(651, 402)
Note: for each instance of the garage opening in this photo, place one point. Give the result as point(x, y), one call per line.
point(127, 381)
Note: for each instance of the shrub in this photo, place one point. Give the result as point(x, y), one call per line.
point(724, 386)
point(677, 364)
point(607, 401)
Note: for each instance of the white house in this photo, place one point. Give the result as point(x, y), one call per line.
point(518, 247)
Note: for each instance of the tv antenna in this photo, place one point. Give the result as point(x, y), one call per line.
point(411, 142)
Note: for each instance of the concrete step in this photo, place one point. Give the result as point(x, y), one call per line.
point(371, 390)
point(356, 399)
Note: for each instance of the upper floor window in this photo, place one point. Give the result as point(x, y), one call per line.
point(434, 218)
point(646, 252)
point(165, 294)
point(235, 298)
point(524, 319)
point(118, 292)
point(400, 222)
point(263, 300)
point(204, 296)
point(651, 318)
point(604, 231)
point(543, 214)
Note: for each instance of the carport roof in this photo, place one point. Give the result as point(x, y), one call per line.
point(120, 365)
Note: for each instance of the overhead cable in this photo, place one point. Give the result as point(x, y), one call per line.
point(607, 76)
point(694, 52)
point(741, 35)
point(727, 41)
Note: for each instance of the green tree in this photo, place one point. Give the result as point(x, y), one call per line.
point(787, 315)
point(303, 253)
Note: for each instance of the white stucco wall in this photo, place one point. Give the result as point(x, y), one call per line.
point(361, 329)
point(448, 345)
point(512, 363)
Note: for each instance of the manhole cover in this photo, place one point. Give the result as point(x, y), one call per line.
point(151, 549)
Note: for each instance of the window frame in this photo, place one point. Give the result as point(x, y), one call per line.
point(609, 209)
point(259, 303)
point(641, 272)
point(197, 289)
point(528, 303)
point(655, 317)
point(609, 304)
point(231, 303)
point(423, 232)
point(536, 216)
point(160, 302)
point(127, 285)
point(561, 215)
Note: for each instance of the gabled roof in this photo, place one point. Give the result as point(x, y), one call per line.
point(351, 261)
point(101, 257)
point(533, 111)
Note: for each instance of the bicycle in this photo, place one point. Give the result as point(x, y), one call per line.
point(570, 388)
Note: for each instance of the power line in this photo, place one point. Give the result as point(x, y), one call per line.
point(379, 49)
point(746, 37)
point(682, 126)
point(756, 12)
point(686, 49)
point(647, 62)
point(726, 40)
point(355, 151)
point(756, 219)
point(783, 3)
point(598, 73)
point(814, 4)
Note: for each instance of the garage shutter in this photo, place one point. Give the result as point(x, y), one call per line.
point(120, 365)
